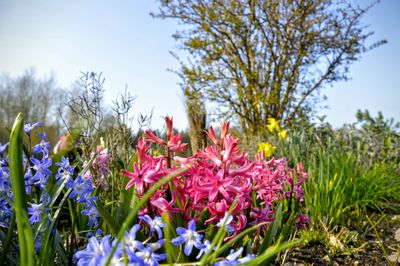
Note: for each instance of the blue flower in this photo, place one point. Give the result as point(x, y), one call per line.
point(3, 148)
point(80, 187)
point(130, 238)
point(232, 258)
point(205, 250)
point(133, 259)
point(95, 252)
point(5, 182)
point(28, 177)
point(226, 223)
point(42, 170)
point(38, 243)
point(37, 211)
point(5, 212)
point(155, 224)
point(65, 170)
point(28, 127)
point(190, 237)
point(43, 146)
point(87, 200)
point(93, 214)
point(157, 245)
point(149, 256)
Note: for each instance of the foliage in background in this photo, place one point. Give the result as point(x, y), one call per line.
point(351, 170)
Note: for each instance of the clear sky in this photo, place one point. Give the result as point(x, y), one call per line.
point(121, 40)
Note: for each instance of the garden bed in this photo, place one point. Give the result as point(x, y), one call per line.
point(371, 252)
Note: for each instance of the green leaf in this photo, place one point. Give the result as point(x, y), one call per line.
point(171, 250)
point(273, 229)
point(264, 258)
point(107, 218)
point(7, 242)
point(25, 236)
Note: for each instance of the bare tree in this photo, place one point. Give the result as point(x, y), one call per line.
point(37, 98)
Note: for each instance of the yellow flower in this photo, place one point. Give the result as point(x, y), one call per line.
point(267, 148)
point(273, 125)
point(282, 134)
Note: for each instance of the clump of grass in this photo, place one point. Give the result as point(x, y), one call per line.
point(341, 186)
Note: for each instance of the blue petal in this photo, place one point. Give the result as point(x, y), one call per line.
point(178, 240)
point(192, 225)
point(188, 248)
point(181, 231)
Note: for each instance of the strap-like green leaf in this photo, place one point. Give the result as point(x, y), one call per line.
point(107, 218)
point(25, 236)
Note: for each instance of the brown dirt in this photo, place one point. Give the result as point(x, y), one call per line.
point(369, 249)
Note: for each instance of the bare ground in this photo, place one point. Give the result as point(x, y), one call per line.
point(376, 246)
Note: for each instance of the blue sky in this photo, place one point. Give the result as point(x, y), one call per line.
point(120, 39)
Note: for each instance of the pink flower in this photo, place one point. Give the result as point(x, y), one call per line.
point(169, 123)
point(175, 145)
point(142, 149)
point(261, 215)
point(153, 138)
point(212, 136)
point(162, 204)
point(224, 129)
point(149, 173)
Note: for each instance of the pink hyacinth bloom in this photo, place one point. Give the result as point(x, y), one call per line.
point(261, 215)
point(142, 148)
point(224, 129)
point(162, 205)
point(212, 136)
point(215, 184)
point(149, 173)
point(169, 123)
point(153, 138)
point(175, 145)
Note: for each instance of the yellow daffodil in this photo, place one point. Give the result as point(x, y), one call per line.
point(267, 148)
point(282, 134)
point(273, 125)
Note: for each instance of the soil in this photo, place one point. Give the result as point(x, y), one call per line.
point(374, 247)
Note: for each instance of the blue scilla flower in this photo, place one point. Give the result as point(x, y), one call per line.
point(155, 224)
point(134, 259)
point(226, 223)
point(3, 148)
point(28, 127)
point(3, 162)
point(81, 187)
point(42, 170)
point(130, 239)
point(29, 181)
point(205, 250)
point(43, 146)
point(190, 237)
point(5, 212)
point(5, 182)
point(149, 256)
point(93, 214)
point(95, 252)
point(37, 211)
point(87, 200)
point(38, 243)
point(65, 170)
point(232, 258)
